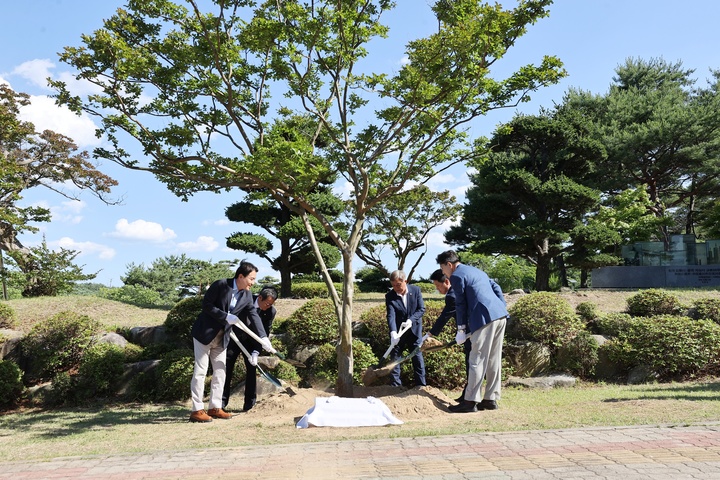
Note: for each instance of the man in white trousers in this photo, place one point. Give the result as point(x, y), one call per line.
point(481, 313)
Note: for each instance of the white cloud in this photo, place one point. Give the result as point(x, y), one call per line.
point(68, 211)
point(202, 244)
point(221, 222)
point(35, 71)
point(45, 115)
point(405, 60)
point(142, 230)
point(103, 252)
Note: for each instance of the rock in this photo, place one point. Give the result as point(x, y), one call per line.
point(113, 338)
point(132, 370)
point(641, 374)
point(550, 381)
point(10, 348)
point(528, 358)
point(145, 336)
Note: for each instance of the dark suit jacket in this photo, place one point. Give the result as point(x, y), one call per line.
point(397, 313)
point(447, 313)
point(215, 307)
point(266, 317)
point(478, 299)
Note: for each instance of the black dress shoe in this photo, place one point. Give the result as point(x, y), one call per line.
point(248, 406)
point(463, 407)
point(487, 405)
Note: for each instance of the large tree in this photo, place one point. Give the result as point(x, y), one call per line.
point(192, 82)
point(32, 159)
point(662, 132)
point(530, 193)
point(295, 254)
point(403, 223)
point(176, 277)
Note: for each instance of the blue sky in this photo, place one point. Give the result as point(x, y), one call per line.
point(592, 37)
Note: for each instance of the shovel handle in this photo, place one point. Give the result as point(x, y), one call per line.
point(400, 334)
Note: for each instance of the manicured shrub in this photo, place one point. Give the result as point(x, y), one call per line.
point(181, 317)
point(546, 318)
point(426, 287)
point(376, 328)
point(57, 344)
point(134, 295)
point(11, 385)
point(312, 289)
point(579, 356)
point(8, 319)
point(587, 311)
point(285, 371)
point(323, 363)
point(708, 308)
point(101, 366)
point(647, 303)
point(671, 346)
point(443, 368)
point(314, 323)
point(610, 324)
point(174, 375)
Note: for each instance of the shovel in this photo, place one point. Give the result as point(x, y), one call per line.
point(265, 374)
point(246, 329)
point(372, 374)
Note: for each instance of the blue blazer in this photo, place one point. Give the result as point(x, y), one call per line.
point(478, 299)
point(397, 313)
point(447, 313)
point(215, 307)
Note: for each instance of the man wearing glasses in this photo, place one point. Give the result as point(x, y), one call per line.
point(264, 305)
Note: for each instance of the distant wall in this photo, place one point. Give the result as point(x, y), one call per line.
point(657, 277)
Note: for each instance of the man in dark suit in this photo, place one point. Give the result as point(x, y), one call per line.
point(404, 306)
point(263, 303)
point(442, 284)
point(481, 311)
point(224, 302)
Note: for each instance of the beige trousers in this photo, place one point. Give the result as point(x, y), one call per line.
point(213, 353)
point(485, 361)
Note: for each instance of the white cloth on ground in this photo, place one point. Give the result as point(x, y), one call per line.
point(348, 412)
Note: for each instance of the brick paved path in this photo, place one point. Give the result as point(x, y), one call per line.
point(627, 453)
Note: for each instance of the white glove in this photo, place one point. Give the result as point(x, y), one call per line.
point(232, 319)
point(394, 338)
point(406, 324)
point(266, 345)
point(253, 358)
point(461, 336)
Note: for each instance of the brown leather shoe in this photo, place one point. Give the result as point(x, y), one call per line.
point(219, 413)
point(200, 416)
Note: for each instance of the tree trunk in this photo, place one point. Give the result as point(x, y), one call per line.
point(542, 268)
point(344, 386)
point(583, 278)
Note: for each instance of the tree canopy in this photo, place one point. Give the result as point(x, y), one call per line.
point(207, 89)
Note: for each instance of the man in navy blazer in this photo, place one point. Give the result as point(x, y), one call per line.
point(404, 306)
point(224, 303)
point(442, 284)
point(481, 313)
point(263, 303)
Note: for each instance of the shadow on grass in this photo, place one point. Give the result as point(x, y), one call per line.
point(696, 392)
point(72, 421)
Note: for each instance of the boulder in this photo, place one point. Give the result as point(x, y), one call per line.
point(550, 381)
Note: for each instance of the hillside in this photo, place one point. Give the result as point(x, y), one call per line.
point(116, 314)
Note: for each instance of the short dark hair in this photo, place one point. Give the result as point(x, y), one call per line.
point(447, 256)
point(438, 276)
point(268, 291)
point(245, 268)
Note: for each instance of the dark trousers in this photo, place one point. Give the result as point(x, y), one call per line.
point(408, 342)
point(233, 352)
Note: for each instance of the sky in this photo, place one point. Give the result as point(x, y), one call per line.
point(591, 37)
